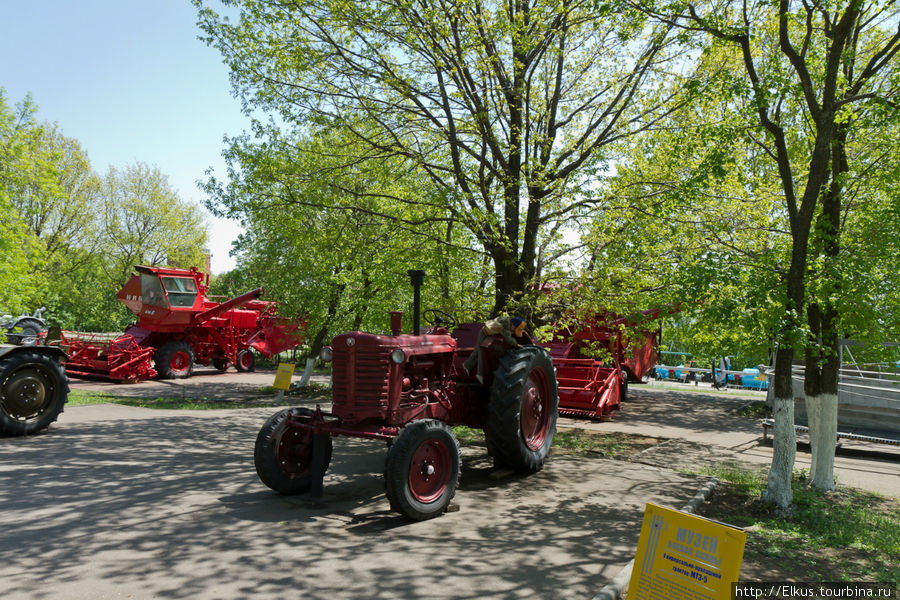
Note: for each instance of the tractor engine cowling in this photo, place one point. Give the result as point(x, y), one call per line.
point(393, 379)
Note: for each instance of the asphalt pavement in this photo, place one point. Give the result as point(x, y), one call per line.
point(122, 502)
point(700, 426)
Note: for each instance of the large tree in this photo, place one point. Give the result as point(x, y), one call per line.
point(800, 91)
point(508, 107)
point(145, 222)
point(341, 267)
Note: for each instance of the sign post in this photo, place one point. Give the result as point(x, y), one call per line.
point(684, 556)
point(283, 378)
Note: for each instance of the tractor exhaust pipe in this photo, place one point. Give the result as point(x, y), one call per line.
point(416, 277)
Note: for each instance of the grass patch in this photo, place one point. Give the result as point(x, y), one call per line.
point(311, 390)
point(82, 398)
point(468, 436)
point(846, 535)
point(756, 410)
point(690, 388)
point(576, 442)
point(581, 442)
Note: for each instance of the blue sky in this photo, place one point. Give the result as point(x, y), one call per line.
point(129, 80)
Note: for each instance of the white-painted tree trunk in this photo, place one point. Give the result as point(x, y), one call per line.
point(784, 450)
point(307, 372)
point(822, 412)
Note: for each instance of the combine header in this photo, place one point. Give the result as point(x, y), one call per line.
point(594, 388)
point(180, 326)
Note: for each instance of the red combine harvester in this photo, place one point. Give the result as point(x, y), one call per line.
point(593, 388)
point(179, 326)
point(408, 390)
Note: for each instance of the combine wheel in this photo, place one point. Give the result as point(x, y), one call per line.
point(33, 389)
point(523, 409)
point(623, 388)
point(284, 456)
point(245, 361)
point(175, 360)
point(422, 469)
point(220, 364)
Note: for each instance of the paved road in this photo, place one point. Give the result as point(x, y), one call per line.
point(703, 427)
point(122, 502)
point(206, 382)
point(699, 423)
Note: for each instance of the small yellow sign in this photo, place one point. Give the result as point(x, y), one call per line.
point(283, 376)
point(684, 556)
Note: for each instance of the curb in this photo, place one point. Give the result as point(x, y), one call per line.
point(614, 590)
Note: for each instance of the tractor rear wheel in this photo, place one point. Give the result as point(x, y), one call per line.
point(522, 411)
point(175, 360)
point(422, 469)
point(33, 390)
point(246, 361)
point(284, 457)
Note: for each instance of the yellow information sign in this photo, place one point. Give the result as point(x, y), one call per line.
point(685, 557)
point(283, 376)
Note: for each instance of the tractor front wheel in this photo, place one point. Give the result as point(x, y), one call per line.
point(422, 469)
point(33, 390)
point(284, 455)
point(245, 361)
point(522, 411)
point(175, 360)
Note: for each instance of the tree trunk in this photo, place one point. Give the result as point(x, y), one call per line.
point(319, 340)
point(510, 280)
point(784, 445)
point(307, 371)
point(823, 361)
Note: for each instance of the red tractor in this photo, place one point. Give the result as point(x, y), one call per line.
point(180, 326)
point(408, 390)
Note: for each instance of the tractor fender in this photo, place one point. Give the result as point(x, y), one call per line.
point(53, 351)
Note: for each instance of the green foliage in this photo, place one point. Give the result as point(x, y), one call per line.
point(20, 256)
point(340, 267)
point(69, 239)
point(144, 222)
point(857, 531)
point(502, 113)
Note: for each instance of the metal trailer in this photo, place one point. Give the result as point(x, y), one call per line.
point(179, 326)
point(594, 388)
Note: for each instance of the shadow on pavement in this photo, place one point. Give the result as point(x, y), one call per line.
point(169, 506)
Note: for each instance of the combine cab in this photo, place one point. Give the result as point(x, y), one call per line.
point(179, 326)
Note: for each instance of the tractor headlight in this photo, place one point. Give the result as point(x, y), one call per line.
point(351, 341)
point(326, 354)
point(398, 356)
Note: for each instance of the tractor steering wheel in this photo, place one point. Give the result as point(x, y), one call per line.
point(438, 318)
